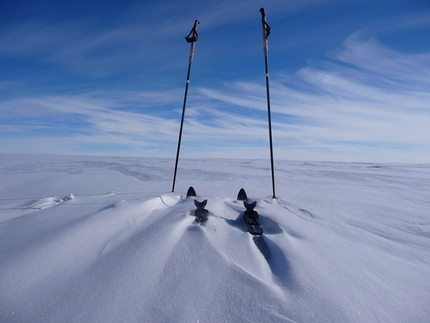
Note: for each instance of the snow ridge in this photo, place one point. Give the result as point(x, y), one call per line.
point(347, 242)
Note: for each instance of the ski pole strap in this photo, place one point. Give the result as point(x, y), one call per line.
point(193, 36)
point(266, 27)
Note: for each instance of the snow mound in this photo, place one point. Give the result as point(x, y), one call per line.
point(351, 247)
point(46, 202)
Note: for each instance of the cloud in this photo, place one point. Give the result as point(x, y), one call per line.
point(386, 65)
point(368, 97)
point(104, 118)
point(146, 35)
point(364, 102)
point(92, 50)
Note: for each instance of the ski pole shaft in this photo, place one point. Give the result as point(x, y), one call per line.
point(182, 118)
point(191, 38)
point(266, 33)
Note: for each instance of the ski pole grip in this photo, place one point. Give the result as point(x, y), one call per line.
point(266, 27)
point(193, 35)
point(263, 14)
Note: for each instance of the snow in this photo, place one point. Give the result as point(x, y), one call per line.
point(101, 239)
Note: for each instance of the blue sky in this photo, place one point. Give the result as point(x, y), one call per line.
point(349, 80)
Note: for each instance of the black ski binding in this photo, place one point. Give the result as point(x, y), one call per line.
point(201, 213)
point(251, 218)
point(191, 192)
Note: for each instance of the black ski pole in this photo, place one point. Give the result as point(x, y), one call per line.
point(266, 33)
point(191, 38)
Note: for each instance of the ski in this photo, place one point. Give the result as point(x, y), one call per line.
point(191, 192)
point(241, 196)
point(250, 217)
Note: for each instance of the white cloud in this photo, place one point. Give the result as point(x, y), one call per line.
point(378, 104)
point(367, 102)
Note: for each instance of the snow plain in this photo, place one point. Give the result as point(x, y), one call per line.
point(102, 239)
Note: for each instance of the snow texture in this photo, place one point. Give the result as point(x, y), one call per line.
point(92, 239)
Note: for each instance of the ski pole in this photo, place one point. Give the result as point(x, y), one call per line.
point(266, 33)
point(191, 38)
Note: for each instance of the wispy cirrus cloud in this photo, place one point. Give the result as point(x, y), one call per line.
point(368, 97)
point(145, 35)
point(106, 118)
point(364, 102)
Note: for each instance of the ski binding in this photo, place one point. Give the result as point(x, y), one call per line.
point(250, 217)
point(201, 213)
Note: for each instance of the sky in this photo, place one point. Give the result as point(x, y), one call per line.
point(349, 80)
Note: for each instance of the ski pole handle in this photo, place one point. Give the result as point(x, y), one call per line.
point(193, 35)
point(266, 27)
point(263, 15)
point(266, 30)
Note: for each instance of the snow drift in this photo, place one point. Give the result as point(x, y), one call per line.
point(91, 239)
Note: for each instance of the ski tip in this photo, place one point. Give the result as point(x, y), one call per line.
point(241, 196)
point(191, 192)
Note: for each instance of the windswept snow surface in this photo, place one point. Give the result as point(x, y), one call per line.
point(92, 239)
